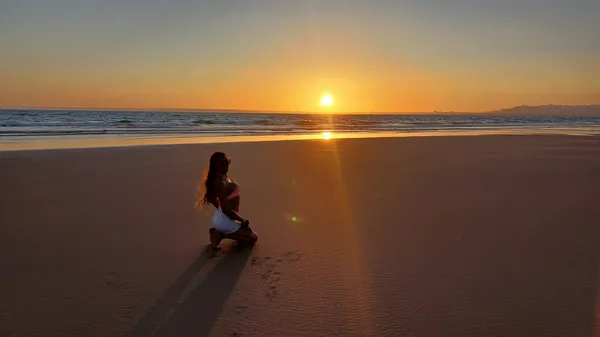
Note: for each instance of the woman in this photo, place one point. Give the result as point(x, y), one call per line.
point(224, 193)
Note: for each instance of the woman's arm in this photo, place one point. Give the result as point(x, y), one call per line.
point(231, 213)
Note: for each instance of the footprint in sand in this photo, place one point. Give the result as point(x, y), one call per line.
point(266, 275)
point(272, 294)
point(292, 256)
point(257, 261)
point(241, 308)
point(271, 274)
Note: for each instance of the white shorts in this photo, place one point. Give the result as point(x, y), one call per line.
point(224, 224)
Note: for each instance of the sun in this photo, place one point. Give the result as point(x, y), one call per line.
point(327, 100)
point(326, 135)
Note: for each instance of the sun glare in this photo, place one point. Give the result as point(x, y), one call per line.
point(326, 135)
point(326, 100)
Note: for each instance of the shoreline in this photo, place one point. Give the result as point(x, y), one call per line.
point(35, 143)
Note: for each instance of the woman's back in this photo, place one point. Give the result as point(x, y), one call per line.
point(232, 191)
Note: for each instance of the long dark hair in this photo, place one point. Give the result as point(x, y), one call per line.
point(207, 184)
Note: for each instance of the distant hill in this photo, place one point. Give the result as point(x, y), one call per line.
point(550, 110)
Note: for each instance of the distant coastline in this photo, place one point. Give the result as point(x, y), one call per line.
point(550, 110)
point(521, 110)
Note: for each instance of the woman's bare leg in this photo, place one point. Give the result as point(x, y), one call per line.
point(244, 236)
point(215, 238)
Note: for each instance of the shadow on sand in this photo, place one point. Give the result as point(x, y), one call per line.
point(197, 315)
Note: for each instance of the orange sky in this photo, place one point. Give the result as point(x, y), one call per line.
point(272, 58)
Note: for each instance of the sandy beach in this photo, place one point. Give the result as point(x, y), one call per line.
point(426, 236)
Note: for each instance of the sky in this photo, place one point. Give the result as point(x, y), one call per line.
point(283, 55)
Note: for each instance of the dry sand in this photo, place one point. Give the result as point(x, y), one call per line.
point(444, 236)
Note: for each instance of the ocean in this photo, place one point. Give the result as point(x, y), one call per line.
point(21, 124)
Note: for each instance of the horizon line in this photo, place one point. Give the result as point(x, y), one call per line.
point(241, 111)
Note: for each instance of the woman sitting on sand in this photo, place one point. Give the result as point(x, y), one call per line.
point(224, 193)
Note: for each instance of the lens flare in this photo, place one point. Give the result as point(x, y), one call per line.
point(327, 135)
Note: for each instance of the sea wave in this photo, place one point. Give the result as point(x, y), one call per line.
point(16, 123)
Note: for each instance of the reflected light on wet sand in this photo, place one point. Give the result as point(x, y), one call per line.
point(35, 143)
